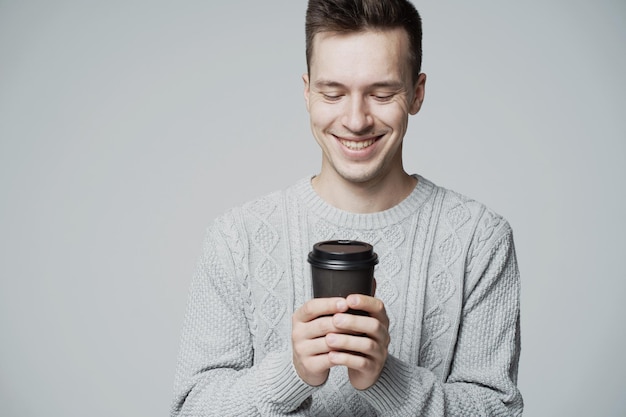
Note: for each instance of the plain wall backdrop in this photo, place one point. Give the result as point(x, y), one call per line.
point(127, 126)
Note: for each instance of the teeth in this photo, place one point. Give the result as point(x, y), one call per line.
point(356, 145)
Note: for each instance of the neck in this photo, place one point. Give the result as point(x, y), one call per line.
point(366, 197)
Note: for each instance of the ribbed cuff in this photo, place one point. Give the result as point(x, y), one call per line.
point(279, 383)
point(391, 391)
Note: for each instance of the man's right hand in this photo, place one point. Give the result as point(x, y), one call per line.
point(310, 324)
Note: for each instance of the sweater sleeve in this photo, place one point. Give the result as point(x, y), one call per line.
point(483, 373)
point(216, 373)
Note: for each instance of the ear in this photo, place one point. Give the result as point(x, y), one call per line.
point(307, 89)
point(418, 94)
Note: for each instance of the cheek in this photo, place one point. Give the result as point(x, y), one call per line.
point(322, 115)
point(393, 116)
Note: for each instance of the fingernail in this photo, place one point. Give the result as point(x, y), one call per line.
point(341, 305)
point(353, 300)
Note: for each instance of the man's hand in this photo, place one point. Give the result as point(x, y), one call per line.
point(324, 335)
point(310, 325)
point(361, 342)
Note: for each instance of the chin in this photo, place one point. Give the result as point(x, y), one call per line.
point(359, 177)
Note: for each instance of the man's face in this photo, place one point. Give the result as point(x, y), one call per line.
point(359, 93)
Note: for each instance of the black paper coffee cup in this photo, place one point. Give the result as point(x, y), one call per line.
point(342, 267)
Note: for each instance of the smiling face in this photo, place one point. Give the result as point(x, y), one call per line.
point(359, 93)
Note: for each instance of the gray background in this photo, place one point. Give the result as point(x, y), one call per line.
point(126, 126)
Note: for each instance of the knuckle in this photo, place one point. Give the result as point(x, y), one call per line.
point(306, 309)
point(324, 326)
point(363, 362)
point(379, 328)
point(371, 345)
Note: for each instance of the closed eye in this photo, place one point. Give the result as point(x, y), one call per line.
point(332, 97)
point(383, 97)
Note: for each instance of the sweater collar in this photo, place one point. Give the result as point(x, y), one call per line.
point(407, 207)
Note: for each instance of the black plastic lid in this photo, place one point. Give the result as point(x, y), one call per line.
point(343, 254)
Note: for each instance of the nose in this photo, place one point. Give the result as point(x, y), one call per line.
point(357, 118)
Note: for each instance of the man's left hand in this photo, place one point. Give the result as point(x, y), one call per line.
point(362, 346)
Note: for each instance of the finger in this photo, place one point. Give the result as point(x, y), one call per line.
point(318, 307)
point(374, 306)
point(362, 326)
point(363, 369)
point(319, 363)
point(350, 360)
point(361, 345)
point(313, 329)
point(310, 347)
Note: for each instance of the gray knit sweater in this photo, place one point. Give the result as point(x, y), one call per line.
point(447, 275)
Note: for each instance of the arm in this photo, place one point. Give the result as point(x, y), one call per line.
point(216, 373)
point(483, 374)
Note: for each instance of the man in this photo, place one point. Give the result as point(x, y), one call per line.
point(441, 337)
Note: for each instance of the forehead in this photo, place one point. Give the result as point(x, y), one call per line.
point(365, 54)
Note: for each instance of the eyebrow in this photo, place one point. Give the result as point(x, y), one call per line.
point(381, 84)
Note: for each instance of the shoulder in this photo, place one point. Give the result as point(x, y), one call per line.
point(468, 223)
point(487, 235)
point(260, 207)
point(262, 215)
point(460, 210)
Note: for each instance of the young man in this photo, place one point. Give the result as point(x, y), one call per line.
point(441, 337)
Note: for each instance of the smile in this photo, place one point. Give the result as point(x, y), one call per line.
point(357, 145)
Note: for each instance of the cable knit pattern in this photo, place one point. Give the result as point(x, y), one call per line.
point(448, 277)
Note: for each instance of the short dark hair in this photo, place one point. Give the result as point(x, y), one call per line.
point(360, 15)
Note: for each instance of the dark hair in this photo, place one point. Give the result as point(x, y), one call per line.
point(360, 15)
